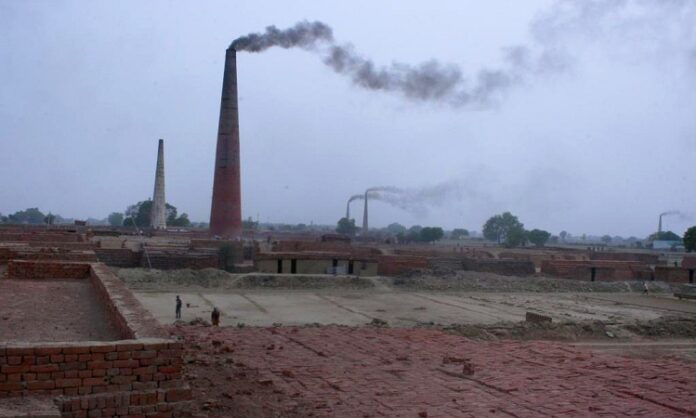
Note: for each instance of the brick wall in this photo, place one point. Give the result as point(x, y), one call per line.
point(127, 314)
point(672, 274)
point(24, 269)
point(689, 262)
point(129, 377)
point(139, 375)
point(118, 257)
point(604, 270)
point(169, 261)
point(644, 258)
point(40, 236)
point(502, 267)
point(331, 247)
point(53, 254)
point(395, 265)
point(63, 245)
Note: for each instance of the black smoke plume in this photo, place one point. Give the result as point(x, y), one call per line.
point(432, 81)
point(303, 35)
point(428, 81)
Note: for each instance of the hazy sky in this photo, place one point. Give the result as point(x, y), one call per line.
point(599, 137)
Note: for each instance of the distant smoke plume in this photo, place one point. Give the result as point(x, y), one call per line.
point(418, 200)
point(356, 197)
point(428, 81)
point(432, 81)
point(303, 35)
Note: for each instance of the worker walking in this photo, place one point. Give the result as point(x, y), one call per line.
point(645, 288)
point(178, 307)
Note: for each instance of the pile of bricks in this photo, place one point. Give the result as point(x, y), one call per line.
point(394, 265)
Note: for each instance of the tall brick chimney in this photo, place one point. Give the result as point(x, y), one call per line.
point(364, 228)
point(226, 210)
point(158, 213)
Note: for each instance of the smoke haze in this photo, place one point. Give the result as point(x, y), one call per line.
point(418, 200)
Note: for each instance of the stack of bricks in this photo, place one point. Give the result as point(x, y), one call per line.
point(20, 269)
point(127, 377)
point(198, 259)
point(391, 265)
point(503, 267)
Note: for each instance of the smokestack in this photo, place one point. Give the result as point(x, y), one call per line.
point(158, 213)
point(348, 210)
point(364, 228)
point(659, 227)
point(226, 209)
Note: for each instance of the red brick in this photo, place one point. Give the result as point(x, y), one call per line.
point(178, 395)
point(94, 381)
point(67, 383)
point(41, 384)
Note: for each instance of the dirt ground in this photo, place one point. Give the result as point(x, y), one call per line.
point(52, 310)
point(427, 346)
point(463, 299)
point(332, 371)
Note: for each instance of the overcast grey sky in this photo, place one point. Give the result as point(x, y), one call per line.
point(599, 141)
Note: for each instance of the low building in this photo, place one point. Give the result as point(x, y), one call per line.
point(315, 263)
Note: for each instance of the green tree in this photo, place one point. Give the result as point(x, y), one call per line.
point(690, 239)
point(538, 237)
point(459, 233)
point(664, 236)
point(396, 228)
point(49, 219)
point(249, 223)
point(3, 218)
point(140, 214)
point(563, 235)
point(516, 238)
point(606, 239)
point(29, 216)
point(505, 228)
point(182, 220)
point(115, 219)
point(346, 226)
point(431, 234)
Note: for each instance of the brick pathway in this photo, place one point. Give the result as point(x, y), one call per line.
point(374, 372)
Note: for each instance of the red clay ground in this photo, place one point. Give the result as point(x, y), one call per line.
point(373, 372)
point(52, 310)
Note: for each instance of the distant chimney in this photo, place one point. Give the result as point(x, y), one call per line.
point(659, 228)
point(158, 213)
point(364, 228)
point(226, 209)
